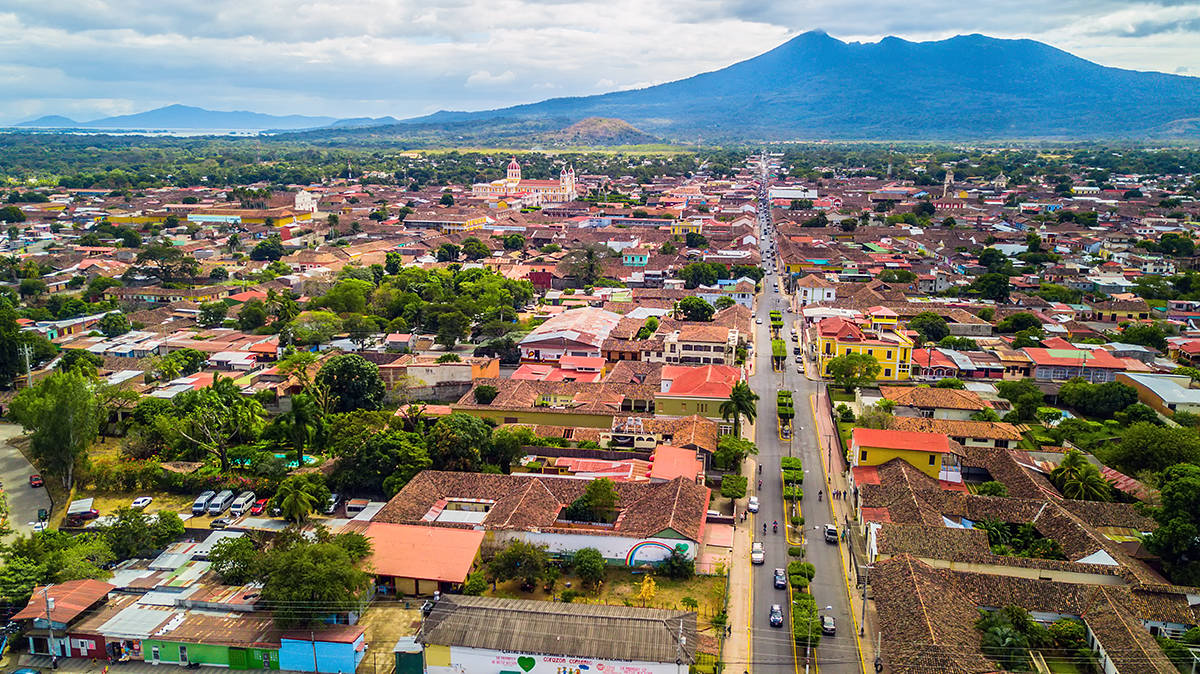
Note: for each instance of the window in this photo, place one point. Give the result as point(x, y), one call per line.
point(862, 455)
point(889, 355)
point(887, 372)
point(932, 459)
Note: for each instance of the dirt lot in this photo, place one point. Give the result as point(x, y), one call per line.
point(386, 620)
point(623, 585)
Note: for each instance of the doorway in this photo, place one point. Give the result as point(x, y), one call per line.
point(183, 657)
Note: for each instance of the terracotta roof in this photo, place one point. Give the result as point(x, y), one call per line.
point(403, 551)
point(929, 397)
point(957, 428)
point(902, 440)
point(705, 381)
point(525, 502)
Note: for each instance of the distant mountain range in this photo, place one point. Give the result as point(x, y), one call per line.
point(811, 87)
point(185, 117)
point(970, 86)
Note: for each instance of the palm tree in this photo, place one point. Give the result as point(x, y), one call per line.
point(1078, 478)
point(742, 402)
point(296, 499)
point(303, 424)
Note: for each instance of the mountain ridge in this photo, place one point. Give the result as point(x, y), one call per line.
point(179, 116)
point(816, 86)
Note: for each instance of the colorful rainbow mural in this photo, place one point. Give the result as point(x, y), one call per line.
point(644, 544)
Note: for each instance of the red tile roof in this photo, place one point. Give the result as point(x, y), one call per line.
point(706, 381)
point(423, 552)
point(902, 440)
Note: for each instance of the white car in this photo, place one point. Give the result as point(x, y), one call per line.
point(752, 505)
point(758, 320)
point(38, 526)
point(757, 556)
point(141, 502)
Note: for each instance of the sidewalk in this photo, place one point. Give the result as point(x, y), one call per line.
point(836, 479)
point(738, 645)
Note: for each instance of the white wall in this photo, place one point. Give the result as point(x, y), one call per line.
point(480, 661)
point(613, 548)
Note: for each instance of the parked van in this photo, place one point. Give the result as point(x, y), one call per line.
point(220, 503)
point(356, 505)
point(200, 505)
point(242, 503)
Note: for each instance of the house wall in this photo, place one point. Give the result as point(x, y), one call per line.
point(297, 655)
point(534, 416)
point(896, 368)
point(877, 456)
point(457, 659)
point(86, 645)
point(168, 651)
point(617, 550)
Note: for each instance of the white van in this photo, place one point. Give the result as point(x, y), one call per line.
point(242, 503)
point(220, 502)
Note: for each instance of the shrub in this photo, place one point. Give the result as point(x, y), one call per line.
point(798, 581)
point(797, 521)
point(791, 463)
point(569, 595)
point(795, 551)
point(793, 476)
point(484, 395)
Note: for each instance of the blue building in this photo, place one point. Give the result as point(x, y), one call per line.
point(332, 649)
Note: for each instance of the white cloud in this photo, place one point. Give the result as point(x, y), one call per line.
point(89, 58)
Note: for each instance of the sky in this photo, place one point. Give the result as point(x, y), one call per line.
point(346, 58)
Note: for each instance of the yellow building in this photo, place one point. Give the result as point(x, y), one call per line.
point(682, 227)
point(883, 339)
point(929, 453)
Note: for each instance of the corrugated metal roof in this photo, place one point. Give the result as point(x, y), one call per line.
point(549, 628)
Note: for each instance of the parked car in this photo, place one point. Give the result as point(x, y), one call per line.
point(259, 506)
point(77, 519)
point(35, 480)
point(752, 504)
point(220, 503)
point(828, 626)
point(141, 502)
point(334, 501)
point(831, 534)
point(200, 505)
point(780, 579)
point(220, 523)
point(758, 320)
point(242, 503)
point(757, 556)
point(776, 616)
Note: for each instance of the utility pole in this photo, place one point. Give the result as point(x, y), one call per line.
point(679, 643)
point(312, 636)
point(25, 351)
point(50, 626)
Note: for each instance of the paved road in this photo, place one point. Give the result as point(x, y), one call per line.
point(23, 501)
point(773, 651)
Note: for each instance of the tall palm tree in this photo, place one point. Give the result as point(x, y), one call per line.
point(303, 423)
point(1078, 478)
point(296, 499)
point(742, 402)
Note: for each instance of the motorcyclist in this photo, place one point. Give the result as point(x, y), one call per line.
point(819, 494)
point(760, 484)
point(764, 527)
point(775, 526)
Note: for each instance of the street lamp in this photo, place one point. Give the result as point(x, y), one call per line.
point(808, 639)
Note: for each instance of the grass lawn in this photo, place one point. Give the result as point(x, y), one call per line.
point(1061, 666)
point(845, 428)
point(623, 585)
point(108, 503)
point(837, 394)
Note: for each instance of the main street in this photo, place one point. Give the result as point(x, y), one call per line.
point(772, 647)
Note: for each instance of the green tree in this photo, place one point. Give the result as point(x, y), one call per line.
point(476, 584)
point(1148, 447)
point(992, 287)
point(11, 214)
point(852, 370)
point(950, 382)
point(252, 315)
point(114, 324)
point(508, 444)
point(1177, 539)
point(513, 242)
point(733, 486)
point(992, 488)
point(13, 344)
point(474, 249)
point(217, 417)
point(731, 451)
point(1021, 320)
point(63, 415)
point(270, 248)
point(236, 560)
point(447, 199)
point(457, 442)
point(695, 240)
point(930, 326)
point(212, 314)
point(520, 560)
point(677, 566)
point(742, 402)
point(452, 327)
point(136, 534)
point(321, 573)
point(299, 495)
point(447, 252)
point(1078, 478)
point(589, 566)
point(353, 382)
point(382, 463)
point(586, 264)
point(1145, 334)
point(724, 302)
point(694, 309)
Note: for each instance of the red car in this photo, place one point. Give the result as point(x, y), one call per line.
point(36, 481)
point(259, 506)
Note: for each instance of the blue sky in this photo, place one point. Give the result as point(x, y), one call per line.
point(93, 58)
